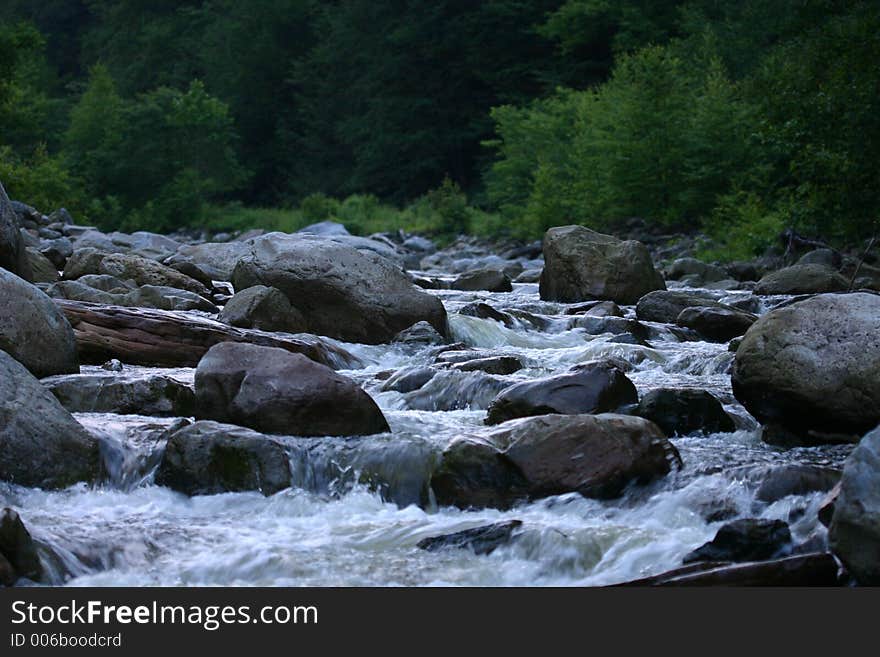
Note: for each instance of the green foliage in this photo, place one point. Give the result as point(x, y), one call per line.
point(43, 181)
point(742, 226)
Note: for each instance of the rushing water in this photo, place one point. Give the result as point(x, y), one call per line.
point(333, 528)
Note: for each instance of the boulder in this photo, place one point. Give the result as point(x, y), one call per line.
point(325, 228)
point(264, 308)
point(594, 388)
point(57, 251)
point(17, 549)
point(479, 540)
point(666, 305)
point(716, 324)
point(420, 333)
point(166, 339)
point(473, 473)
point(33, 330)
point(802, 279)
point(594, 455)
point(696, 273)
point(683, 411)
point(41, 444)
point(813, 365)
point(491, 280)
point(501, 365)
point(135, 393)
point(409, 379)
point(13, 256)
point(748, 539)
point(796, 479)
point(42, 269)
point(343, 292)
point(854, 534)
point(142, 271)
point(216, 259)
point(207, 458)
point(581, 265)
point(825, 257)
point(275, 391)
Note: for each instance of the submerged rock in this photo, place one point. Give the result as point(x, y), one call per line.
point(682, 411)
point(812, 365)
point(33, 330)
point(855, 525)
point(276, 391)
point(581, 265)
point(207, 458)
point(479, 540)
point(41, 444)
point(594, 388)
point(133, 393)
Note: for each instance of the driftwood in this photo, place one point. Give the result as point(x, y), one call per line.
point(814, 569)
point(163, 338)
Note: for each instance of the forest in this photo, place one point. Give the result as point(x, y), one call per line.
point(733, 120)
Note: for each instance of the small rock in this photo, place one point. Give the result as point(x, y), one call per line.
point(480, 540)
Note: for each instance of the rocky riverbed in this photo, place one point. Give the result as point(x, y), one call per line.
point(324, 409)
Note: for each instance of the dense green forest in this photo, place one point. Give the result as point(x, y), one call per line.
point(737, 119)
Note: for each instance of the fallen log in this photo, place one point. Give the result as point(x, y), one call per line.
point(161, 338)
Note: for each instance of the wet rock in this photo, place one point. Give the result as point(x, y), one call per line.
point(135, 393)
point(780, 435)
point(812, 365)
point(112, 365)
point(343, 292)
point(420, 333)
point(802, 279)
point(682, 411)
point(33, 330)
point(666, 305)
point(166, 339)
point(826, 508)
point(18, 550)
point(748, 539)
point(475, 474)
point(816, 569)
point(594, 455)
point(13, 257)
point(485, 311)
point(264, 308)
point(207, 458)
point(854, 533)
point(605, 309)
point(41, 444)
point(408, 380)
point(716, 324)
point(613, 325)
point(491, 280)
point(275, 391)
point(453, 390)
point(796, 479)
point(479, 540)
point(500, 365)
point(595, 388)
point(581, 265)
point(42, 269)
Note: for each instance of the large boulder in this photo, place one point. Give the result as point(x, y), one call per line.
point(13, 256)
point(343, 292)
point(41, 444)
point(33, 330)
point(264, 308)
point(595, 388)
point(275, 391)
point(581, 265)
point(716, 324)
point(802, 279)
point(855, 526)
point(684, 411)
point(813, 365)
point(207, 458)
point(594, 455)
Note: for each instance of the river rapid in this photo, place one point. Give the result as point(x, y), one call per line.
point(336, 529)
